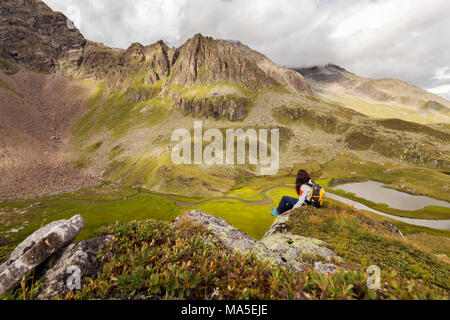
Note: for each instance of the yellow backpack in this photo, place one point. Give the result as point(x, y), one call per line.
point(317, 195)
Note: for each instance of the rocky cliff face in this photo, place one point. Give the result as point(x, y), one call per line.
point(287, 77)
point(232, 108)
point(205, 60)
point(34, 36)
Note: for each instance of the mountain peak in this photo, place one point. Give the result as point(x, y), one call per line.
point(39, 39)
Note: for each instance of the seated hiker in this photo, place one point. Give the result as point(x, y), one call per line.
point(308, 192)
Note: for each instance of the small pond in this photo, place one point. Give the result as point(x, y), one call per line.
point(377, 193)
point(435, 224)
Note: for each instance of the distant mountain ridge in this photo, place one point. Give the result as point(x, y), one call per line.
point(336, 79)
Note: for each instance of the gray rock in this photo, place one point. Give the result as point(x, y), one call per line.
point(4, 242)
point(36, 249)
point(82, 255)
point(324, 268)
point(232, 238)
point(294, 248)
point(279, 225)
point(278, 244)
point(393, 229)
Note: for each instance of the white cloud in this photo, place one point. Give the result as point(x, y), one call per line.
point(442, 74)
point(404, 39)
point(443, 90)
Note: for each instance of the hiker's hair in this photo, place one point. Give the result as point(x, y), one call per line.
point(302, 178)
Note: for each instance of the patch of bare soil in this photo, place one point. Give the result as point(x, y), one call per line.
point(36, 118)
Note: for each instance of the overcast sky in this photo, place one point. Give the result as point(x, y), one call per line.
point(403, 39)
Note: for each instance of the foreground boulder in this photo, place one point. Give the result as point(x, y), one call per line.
point(82, 255)
point(298, 250)
point(37, 248)
point(232, 238)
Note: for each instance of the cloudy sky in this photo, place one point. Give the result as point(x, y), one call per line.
point(403, 39)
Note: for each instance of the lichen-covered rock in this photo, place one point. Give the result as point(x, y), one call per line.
point(36, 249)
point(295, 249)
point(82, 255)
point(232, 238)
point(279, 225)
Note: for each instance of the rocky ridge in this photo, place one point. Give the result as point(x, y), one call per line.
point(37, 38)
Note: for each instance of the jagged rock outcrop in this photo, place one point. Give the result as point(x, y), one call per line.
point(35, 249)
point(232, 108)
point(206, 60)
point(82, 255)
point(35, 36)
point(285, 76)
point(277, 245)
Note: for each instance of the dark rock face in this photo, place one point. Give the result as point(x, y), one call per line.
point(329, 73)
point(36, 249)
point(393, 229)
point(4, 242)
point(232, 108)
point(35, 36)
point(82, 255)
